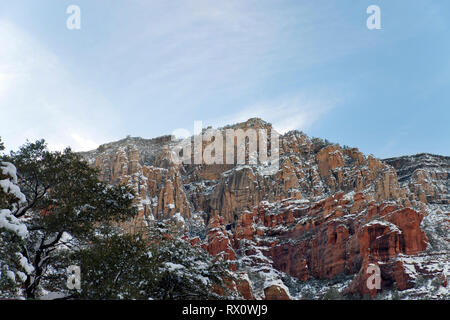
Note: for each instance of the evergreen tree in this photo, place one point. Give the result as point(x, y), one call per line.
point(117, 267)
point(66, 216)
point(187, 272)
point(157, 264)
point(13, 266)
point(66, 208)
point(333, 294)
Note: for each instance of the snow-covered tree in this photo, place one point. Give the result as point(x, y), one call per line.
point(62, 215)
point(65, 208)
point(119, 266)
point(186, 271)
point(156, 264)
point(14, 268)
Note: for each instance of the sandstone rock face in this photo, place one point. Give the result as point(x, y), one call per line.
point(329, 211)
point(328, 159)
point(325, 239)
point(219, 240)
point(275, 292)
point(308, 168)
point(244, 288)
point(157, 183)
point(426, 177)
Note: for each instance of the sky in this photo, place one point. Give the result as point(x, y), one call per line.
point(152, 67)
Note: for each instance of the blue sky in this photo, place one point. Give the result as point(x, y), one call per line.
point(147, 68)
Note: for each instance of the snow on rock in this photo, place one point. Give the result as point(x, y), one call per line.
point(179, 218)
point(307, 219)
point(392, 227)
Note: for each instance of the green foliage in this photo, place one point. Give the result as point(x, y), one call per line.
point(307, 295)
point(64, 193)
point(333, 294)
point(187, 272)
point(72, 219)
point(10, 282)
point(12, 232)
point(117, 267)
point(67, 207)
point(153, 265)
point(420, 281)
point(436, 283)
point(353, 296)
point(395, 293)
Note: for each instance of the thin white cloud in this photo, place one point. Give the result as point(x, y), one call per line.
point(40, 99)
point(188, 55)
point(83, 143)
point(291, 113)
